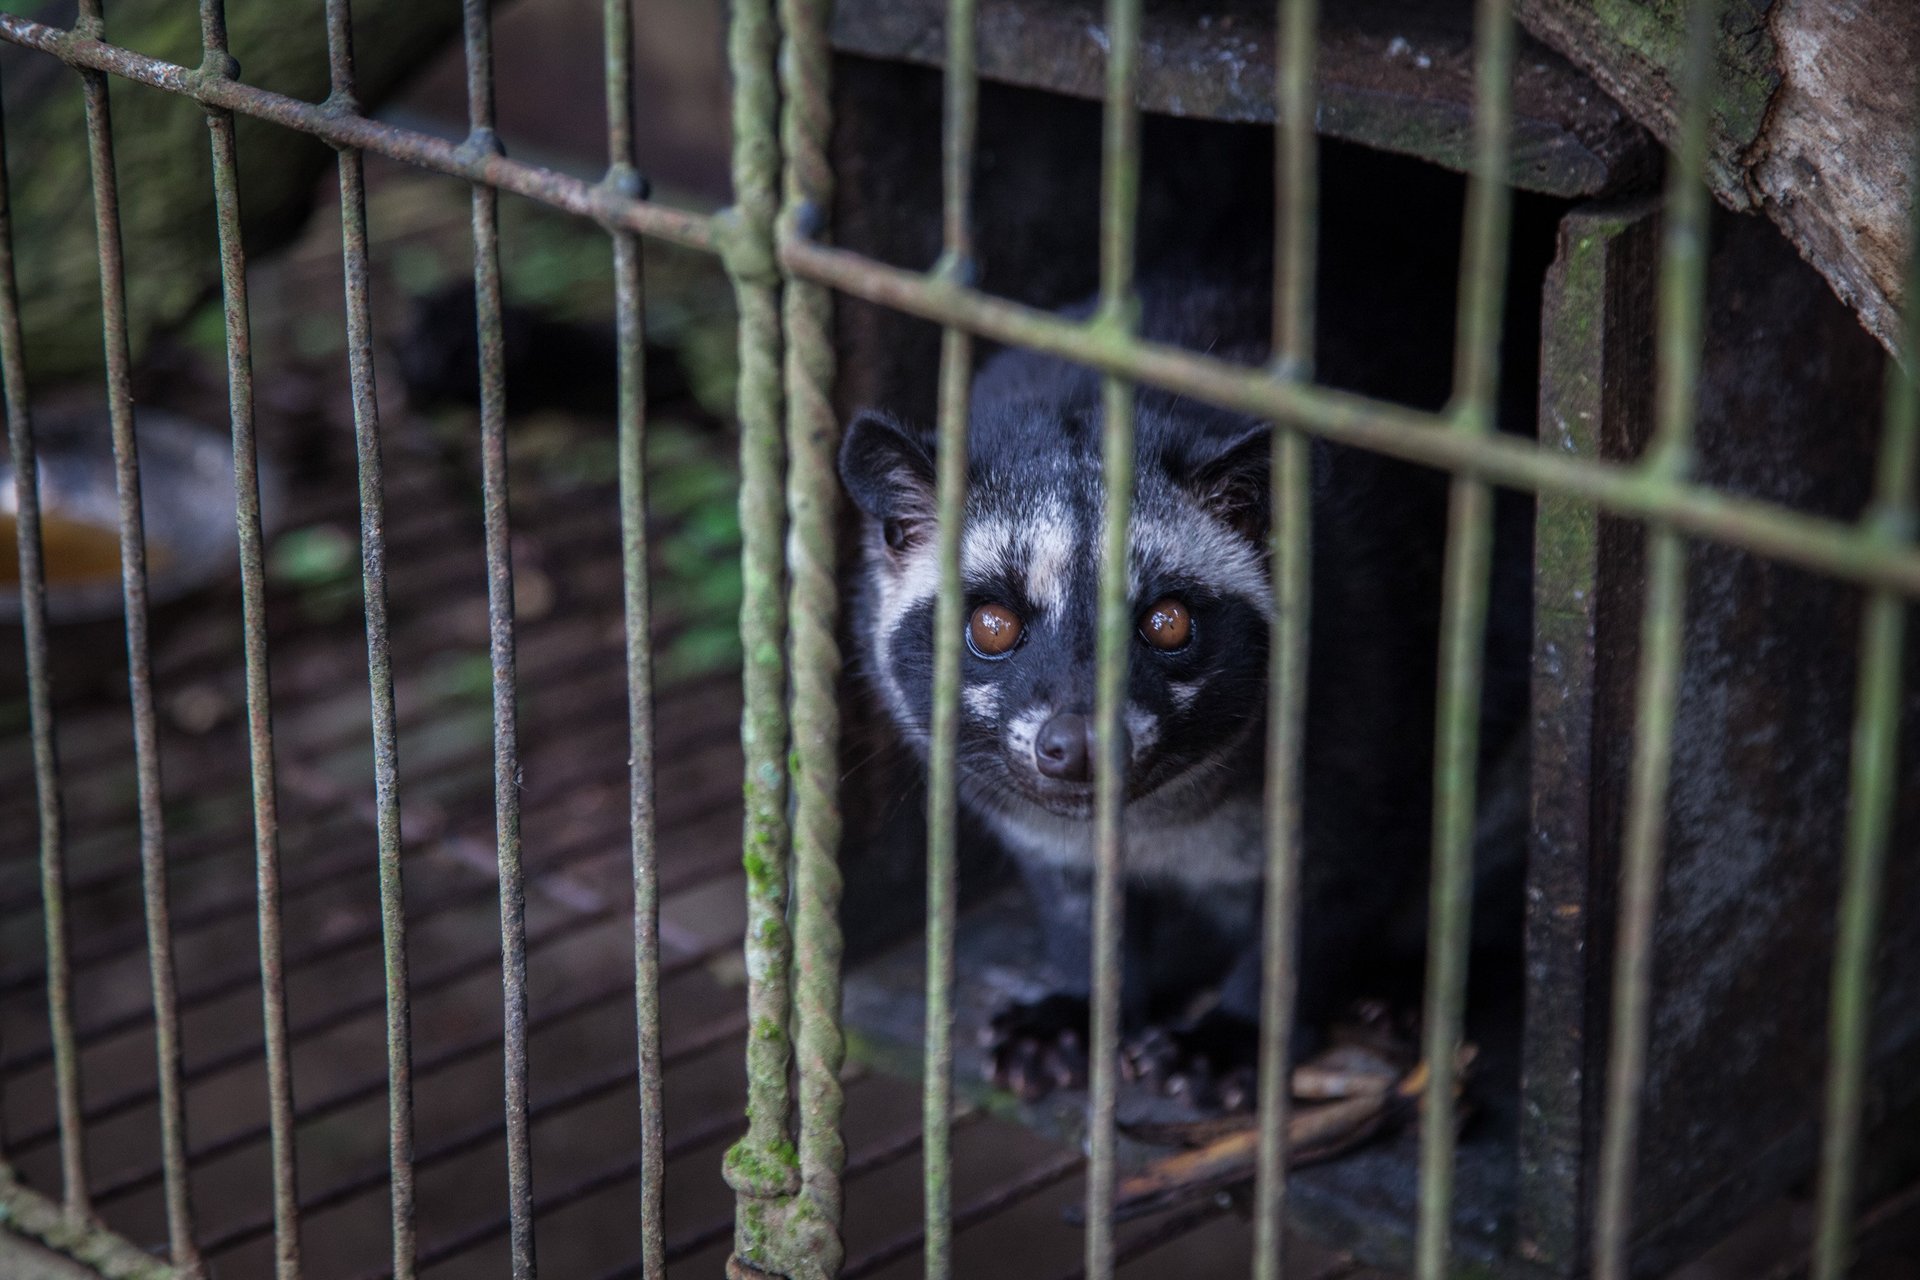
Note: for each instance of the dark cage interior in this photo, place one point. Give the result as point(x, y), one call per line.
point(1789, 411)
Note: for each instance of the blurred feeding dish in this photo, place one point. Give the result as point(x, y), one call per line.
point(186, 489)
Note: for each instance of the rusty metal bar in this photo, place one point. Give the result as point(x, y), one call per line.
point(74, 1202)
point(623, 182)
point(1466, 583)
point(373, 559)
point(133, 582)
point(1118, 318)
point(483, 139)
point(216, 61)
point(82, 50)
point(1682, 295)
point(814, 662)
point(1875, 764)
point(959, 126)
point(1296, 201)
point(1828, 547)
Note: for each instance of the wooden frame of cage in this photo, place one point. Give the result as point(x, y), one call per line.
point(788, 1193)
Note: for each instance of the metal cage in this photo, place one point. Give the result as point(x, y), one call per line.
point(786, 1170)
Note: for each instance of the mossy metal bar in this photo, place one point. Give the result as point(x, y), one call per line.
point(1682, 301)
point(373, 575)
point(1118, 317)
point(959, 125)
point(763, 1167)
point(623, 182)
point(79, 49)
point(1876, 729)
point(477, 39)
point(1296, 200)
point(133, 584)
point(1829, 547)
point(814, 662)
point(63, 1046)
point(216, 61)
point(1463, 621)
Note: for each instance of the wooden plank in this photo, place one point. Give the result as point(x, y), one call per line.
point(1394, 74)
point(1596, 385)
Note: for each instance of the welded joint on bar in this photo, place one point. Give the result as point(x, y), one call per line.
point(216, 67)
point(481, 145)
point(956, 270)
point(623, 182)
point(746, 250)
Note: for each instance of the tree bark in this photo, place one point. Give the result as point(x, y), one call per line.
point(1816, 120)
point(163, 159)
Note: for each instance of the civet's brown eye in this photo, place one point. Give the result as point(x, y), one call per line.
point(1166, 625)
point(993, 630)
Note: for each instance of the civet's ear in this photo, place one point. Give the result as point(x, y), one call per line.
point(887, 469)
point(1235, 484)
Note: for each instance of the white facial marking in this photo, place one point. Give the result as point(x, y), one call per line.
point(1184, 692)
point(1143, 730)
point(1052, 550)
point(1023, 728)
point(1202, 548)
point(982, 699)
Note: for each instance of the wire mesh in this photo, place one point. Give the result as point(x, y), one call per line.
point(789, 1210)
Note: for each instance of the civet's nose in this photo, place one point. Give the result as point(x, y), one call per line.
point(1064, 747)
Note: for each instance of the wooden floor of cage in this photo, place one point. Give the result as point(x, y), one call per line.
point(1011, 1184)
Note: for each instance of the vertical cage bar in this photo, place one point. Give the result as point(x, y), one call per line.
point(46, 758)
point(1682, 291)
point(217, 62)
point(813, 488)
point(373, 571)
point(763, 1167)
point(623, 181)
point(482, 139)
point(1876, 730)
point(133, 582)
point(1118, 318)
point(1296, 206)
point(1465, 586)
point(959, 122)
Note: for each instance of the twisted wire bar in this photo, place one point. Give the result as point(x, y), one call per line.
point(763, 1167)
point(75, 1201)
point(1877, 706)
point(216, 61)
point(1118, 317)
point(482, 138)
point(1465, 584)
point(1682, 302)
point(623, 183)
point(373, 561)
point(959, 122)
point(133, 582)
point(1296, 200)
point(813, 610)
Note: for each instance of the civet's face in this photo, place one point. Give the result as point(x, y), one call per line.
point(1198, 600)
